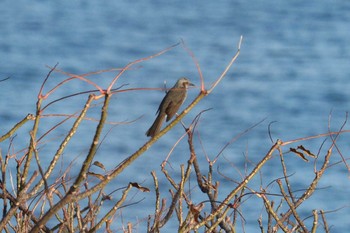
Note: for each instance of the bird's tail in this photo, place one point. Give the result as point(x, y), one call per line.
point(157, 124)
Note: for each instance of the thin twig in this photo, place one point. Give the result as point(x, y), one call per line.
point(228, 66)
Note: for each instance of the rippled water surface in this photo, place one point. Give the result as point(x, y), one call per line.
point(293, 70)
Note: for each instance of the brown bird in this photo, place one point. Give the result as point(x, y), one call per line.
point(170, 105)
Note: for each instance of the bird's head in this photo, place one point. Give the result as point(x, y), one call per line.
point(183, 83)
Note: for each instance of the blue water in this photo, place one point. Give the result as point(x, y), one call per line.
point(293, 70)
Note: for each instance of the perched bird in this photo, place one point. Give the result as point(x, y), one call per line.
point(170, 105)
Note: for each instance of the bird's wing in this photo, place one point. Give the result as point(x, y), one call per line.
point(171, 110)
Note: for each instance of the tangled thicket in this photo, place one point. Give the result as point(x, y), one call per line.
point(45, 198)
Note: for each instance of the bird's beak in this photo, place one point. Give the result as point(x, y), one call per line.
point(191, 84)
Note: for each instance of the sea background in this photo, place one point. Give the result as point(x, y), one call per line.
point(293, 74)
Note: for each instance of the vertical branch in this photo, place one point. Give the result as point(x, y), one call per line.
point(184, 177)
point(63, 144)
point(286, 175)
point(291, 207)
point(228, 66)
point(325, 224)
point(21, 179)
point(315, 223)
point(3, 184)
point(94, 146)
point(157, 212)
point(269, 220)
point(45, 80)
point(83, 171)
